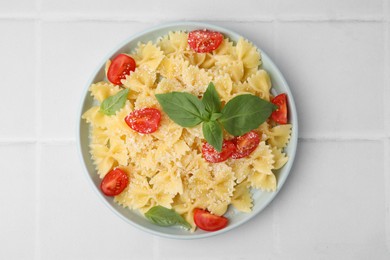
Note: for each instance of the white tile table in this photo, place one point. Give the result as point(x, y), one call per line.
point(335, 55)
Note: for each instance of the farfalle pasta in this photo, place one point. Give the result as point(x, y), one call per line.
point(166, 167)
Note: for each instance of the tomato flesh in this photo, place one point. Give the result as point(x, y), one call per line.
point(280, 114)
point(144, 121)
point(120, 67)
point(209, 222)
point(114, 182)
point(245, 144)
point(213, 156)
point(203, 41)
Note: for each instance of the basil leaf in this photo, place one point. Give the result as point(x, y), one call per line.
point(211, 99)
point(215, 116)
point(244, 113)
point(114, 103)
point(212, 132)
point(183, 108)
point(165, 217)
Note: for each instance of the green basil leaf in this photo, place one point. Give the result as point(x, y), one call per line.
point(244, 113)
point(114, 103)
point(212, 132)
point(165, 217)
point(183, 108)
point(215, 116)
point(211, 99)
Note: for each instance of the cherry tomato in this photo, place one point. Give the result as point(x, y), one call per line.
point(114, 182)
point(245, 144)
point(280, 114)
point(120, 66)
point(202, 41)
point(144, 121)
point(209, 222)
point(213, 156)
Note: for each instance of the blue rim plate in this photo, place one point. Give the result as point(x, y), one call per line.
point(260, 199)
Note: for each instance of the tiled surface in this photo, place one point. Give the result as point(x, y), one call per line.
point(336, 58)
point(17, 66)
point(331, 8)
point(343, 207)
point(166, 10)
point(17, 8)
point(18, 201)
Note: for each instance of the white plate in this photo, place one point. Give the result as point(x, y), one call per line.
point(260, 199)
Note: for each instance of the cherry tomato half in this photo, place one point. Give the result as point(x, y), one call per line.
point(114, 182)
point(144, 121)
point(213, 156)
point(120, 66)
point(209, 222)
point(245, 144)
point(202, 41)
point(280, 114)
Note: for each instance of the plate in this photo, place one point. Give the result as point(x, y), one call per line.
point(260, 199)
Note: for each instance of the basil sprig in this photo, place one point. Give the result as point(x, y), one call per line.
point(165, 217)
point(114, 103)
point(239, 116)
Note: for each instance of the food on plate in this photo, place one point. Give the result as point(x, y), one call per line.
point(114, 182)
point(209, 222)
point(144, 121)
point(120, 67)
point(184, 127)
point(202, 41)
point(245, 144)
point(280, 114)
point(210, 154)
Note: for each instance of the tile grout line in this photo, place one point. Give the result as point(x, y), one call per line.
point(386, 73)
point(38, 118)
point(38, 166)
point(386, 95)
point(142, 19)
point(56, 141)
point(343, 138)
point(386, 168)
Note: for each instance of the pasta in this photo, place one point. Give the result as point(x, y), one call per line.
point(241, 198)
point(148, 55)
point(166, 167)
